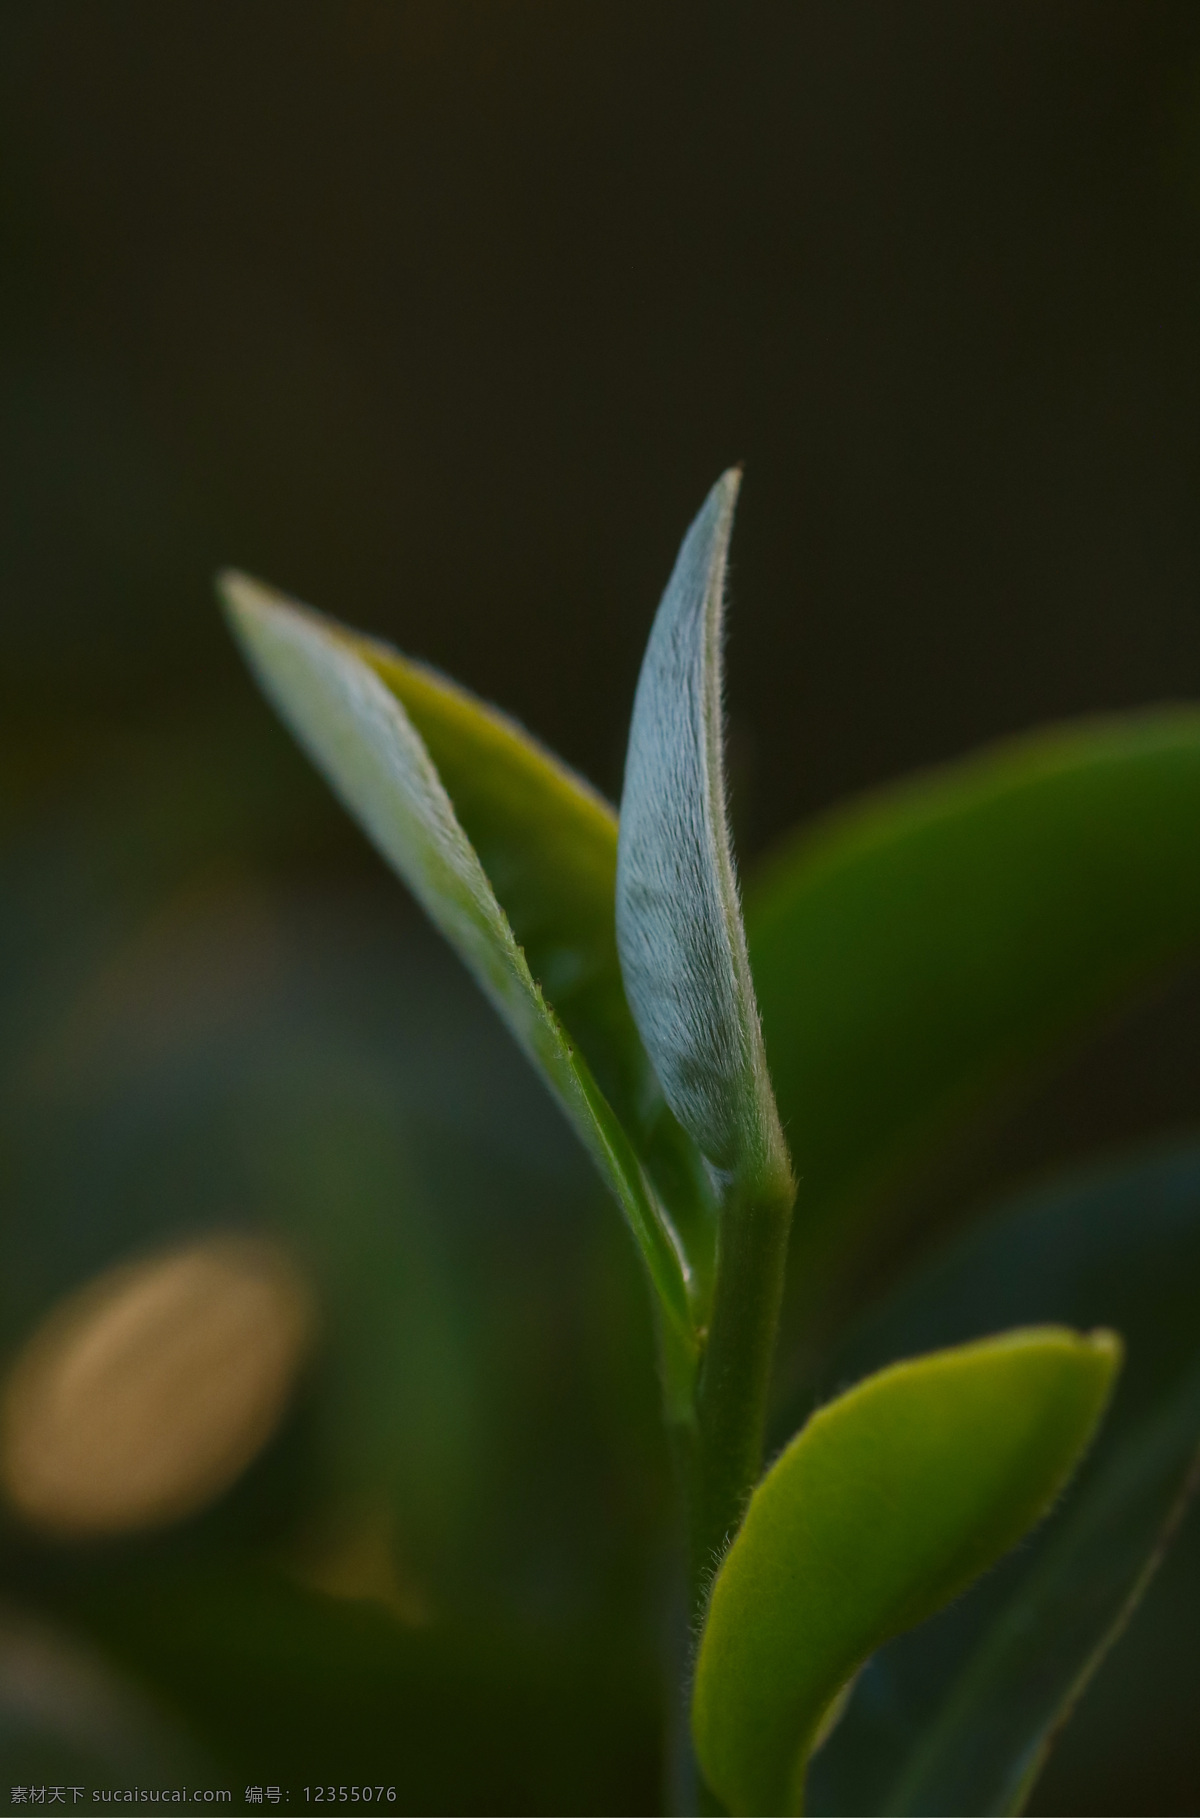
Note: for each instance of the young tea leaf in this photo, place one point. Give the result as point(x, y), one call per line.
point(885, 1506)
point(358, 734)
point(548, 844)
point(960, 1714)
point(679, 922)
point(988, 1744)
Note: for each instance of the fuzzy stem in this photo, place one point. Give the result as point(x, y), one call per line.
point(719, 1452)
point(731, 1395)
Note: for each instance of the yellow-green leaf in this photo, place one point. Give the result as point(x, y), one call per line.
point(989, 1742)
point(889, 1501)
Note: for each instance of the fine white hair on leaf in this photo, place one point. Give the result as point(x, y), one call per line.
point(679, 924)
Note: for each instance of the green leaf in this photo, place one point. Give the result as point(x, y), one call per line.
point(548, 843)
point(916, 953)
point(1117, 1247)
point(884, 1507)
point(679, 921)
point(359, 735)
point(990, 1741)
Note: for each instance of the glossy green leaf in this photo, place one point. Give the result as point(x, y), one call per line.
point(987, 1746)
point(889, 1501)
point(679, 921)
point(548, 843)
point(1120, 1247)
point(359, 735)
point(916, 952)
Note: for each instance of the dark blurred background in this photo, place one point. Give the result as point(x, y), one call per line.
point(444, 317)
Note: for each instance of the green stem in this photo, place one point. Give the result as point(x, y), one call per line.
point(731, 1394)
point(719, 1448)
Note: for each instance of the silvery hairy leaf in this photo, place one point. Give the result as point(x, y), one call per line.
point(679, 922)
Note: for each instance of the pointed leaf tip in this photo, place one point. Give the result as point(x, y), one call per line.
point(360, 736)
point(679, 923)
point(885, 1506)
